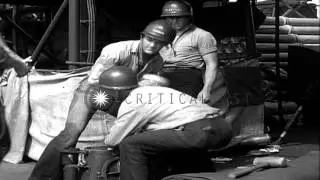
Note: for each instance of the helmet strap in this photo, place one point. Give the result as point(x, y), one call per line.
point(142, 56)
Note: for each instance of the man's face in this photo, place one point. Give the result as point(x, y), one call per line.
point(178, 23)
point(151, 45)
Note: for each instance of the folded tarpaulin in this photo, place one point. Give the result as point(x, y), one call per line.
point(39, 105)
point(16, 103)
point(4, 134)
point(50, 96)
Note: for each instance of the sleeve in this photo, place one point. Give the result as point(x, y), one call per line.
point(207, 43)
point(130, 119)
point(108, 58)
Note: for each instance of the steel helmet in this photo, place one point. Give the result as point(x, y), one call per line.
point(176, 8)
point(105, 96)
point(118, 78)
point(160, 30)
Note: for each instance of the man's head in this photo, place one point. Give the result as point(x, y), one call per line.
point(178, 13)
point(156, 34)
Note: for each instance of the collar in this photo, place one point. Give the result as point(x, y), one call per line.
point(182, 32)
point(185, 29)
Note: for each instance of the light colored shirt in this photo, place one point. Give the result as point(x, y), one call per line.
point(188, 48)
point(124, 53)
point(155, 108)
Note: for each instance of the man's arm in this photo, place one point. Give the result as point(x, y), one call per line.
point(106, 60)
point(9, 59)
point(126, 124)
point(95, 73)
point(211, 61)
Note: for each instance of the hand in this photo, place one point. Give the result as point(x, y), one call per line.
point(27, 60)
point(22, 67)
point(204, 96)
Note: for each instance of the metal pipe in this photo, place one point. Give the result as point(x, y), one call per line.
point(277, 57)
point(14, 15)
point(251, 39)
point(74, 31)
point(48, 32)
point(27, 35)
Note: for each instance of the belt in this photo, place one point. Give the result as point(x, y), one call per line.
point(204, 124)
point(175, 69)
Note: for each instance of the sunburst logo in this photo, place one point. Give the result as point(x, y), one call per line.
point(100, 98)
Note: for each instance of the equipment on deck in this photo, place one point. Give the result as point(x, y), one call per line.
point(260, 163)
point(92, 163)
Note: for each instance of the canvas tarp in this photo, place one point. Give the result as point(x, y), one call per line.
point(15, 99)
point(36, 109)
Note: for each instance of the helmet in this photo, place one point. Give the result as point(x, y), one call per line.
point(160, 30)
point(176, 8)
point(118, 78)
point(105, 95)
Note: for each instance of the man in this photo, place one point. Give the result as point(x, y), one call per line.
point(191, 63)
point(159, 123)
point(141, 56)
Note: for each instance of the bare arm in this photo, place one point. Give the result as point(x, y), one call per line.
point(105, 61)
point(96, 70)
point(211, 61)
point(125, 125)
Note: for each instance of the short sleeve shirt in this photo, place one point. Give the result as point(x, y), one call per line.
point(189, 48)
point(125, 53)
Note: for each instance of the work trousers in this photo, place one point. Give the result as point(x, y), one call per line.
point(144, 153)
point(48, 166)
point(186, 80)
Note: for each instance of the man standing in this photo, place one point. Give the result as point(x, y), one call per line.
point(191, 63)
point(141, 56)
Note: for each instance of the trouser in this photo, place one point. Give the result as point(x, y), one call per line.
point(139, 151)
point(186, 80)
point(48, 166)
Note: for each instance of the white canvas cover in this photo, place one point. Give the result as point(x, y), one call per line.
point(45, 96)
